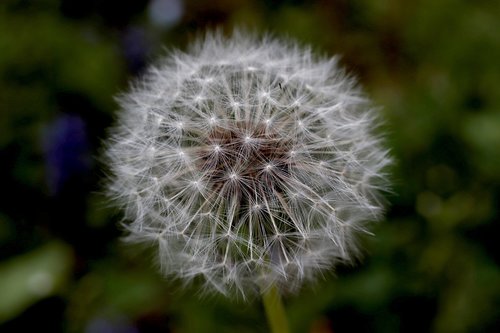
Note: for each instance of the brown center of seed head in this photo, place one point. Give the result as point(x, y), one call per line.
point(249, 153)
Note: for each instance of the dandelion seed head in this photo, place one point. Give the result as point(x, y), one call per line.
point(249, 162)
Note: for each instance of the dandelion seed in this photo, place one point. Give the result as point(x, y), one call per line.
point(267, 191)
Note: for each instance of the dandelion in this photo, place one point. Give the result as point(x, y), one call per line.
point(248, 163)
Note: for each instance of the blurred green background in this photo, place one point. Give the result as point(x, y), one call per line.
point(432, 65)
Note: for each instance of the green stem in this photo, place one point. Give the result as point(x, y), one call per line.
point(275, 311)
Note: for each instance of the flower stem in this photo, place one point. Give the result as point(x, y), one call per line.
point(275, 311)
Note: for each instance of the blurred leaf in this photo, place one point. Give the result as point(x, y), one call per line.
point(30, 277)
point(470, 299)
point(482, 132)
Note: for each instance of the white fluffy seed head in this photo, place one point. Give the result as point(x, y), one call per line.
point(247, 162)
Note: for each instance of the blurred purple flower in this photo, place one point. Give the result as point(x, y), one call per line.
point(67, 154)
point(106, 325)
point(135, 48)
